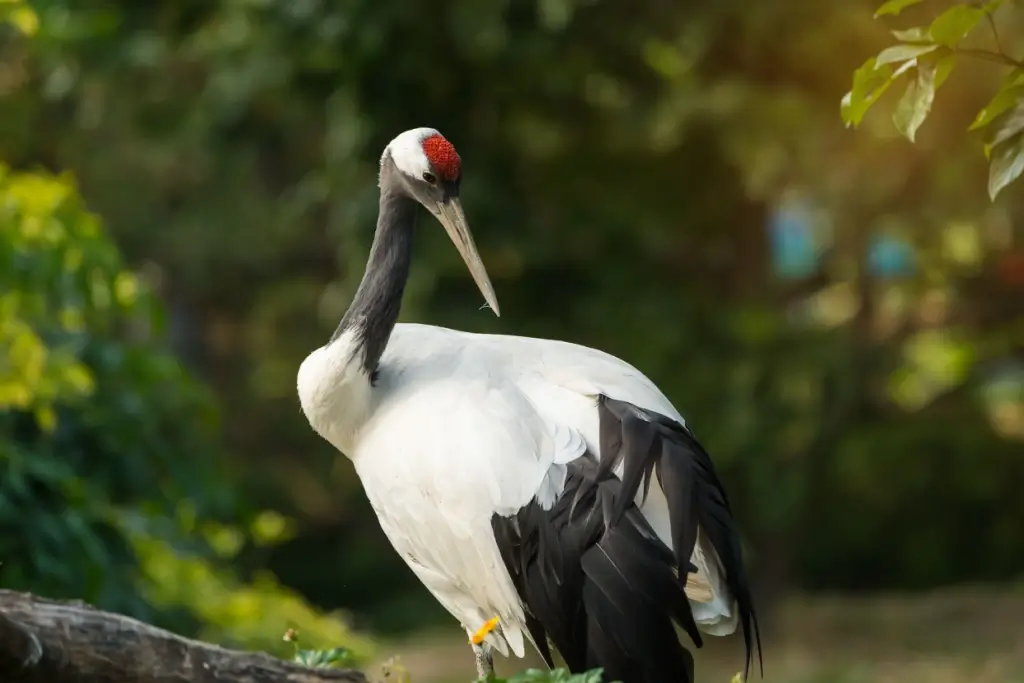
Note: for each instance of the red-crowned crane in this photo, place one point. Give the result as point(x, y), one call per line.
point(514, 475)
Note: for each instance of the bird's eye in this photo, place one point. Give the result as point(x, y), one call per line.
point(430, 178)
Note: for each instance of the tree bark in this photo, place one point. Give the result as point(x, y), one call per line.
point(49, 641)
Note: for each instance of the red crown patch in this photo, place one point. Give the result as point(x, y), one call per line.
point(442, 156)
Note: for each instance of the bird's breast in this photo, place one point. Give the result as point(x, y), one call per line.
point(335, 393)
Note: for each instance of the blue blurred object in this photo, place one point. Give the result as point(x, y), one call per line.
point(794, 252)
point(890, 255)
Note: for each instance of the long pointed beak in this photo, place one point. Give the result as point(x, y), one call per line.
point(454, 221)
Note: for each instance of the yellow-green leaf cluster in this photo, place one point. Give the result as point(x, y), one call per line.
point(244, 614)
point(20, 14)
point(48, 245)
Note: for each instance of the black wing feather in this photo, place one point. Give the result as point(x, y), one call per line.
point(594, 577)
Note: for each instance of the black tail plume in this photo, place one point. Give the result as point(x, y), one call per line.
point(595, 578)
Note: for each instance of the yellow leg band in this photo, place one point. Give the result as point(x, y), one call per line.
point(482, 632)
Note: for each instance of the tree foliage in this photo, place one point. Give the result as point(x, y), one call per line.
point(111, 462)
point(93, 412)
point(923, 59)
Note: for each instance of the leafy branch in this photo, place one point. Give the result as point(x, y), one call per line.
point(924, 58)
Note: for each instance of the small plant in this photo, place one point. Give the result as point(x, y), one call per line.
point(392, 671)
point(555, 676)
point(335, 657)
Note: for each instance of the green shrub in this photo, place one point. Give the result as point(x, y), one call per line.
point(113, 489)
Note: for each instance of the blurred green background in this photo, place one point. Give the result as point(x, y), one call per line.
point(187, 196)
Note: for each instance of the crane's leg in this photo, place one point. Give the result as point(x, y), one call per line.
point(484, 659)
point(484, 662)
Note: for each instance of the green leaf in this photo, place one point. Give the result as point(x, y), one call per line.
point(875, 76)
point(953, 25)
point(1010, 124)
point(943, 67)
point(1007, 164)
point(1013, 79)
point(335, 657)
point(916, 34)
point(1013, 125)
point(869, 83)
point(902, 53)
point(1003, 100)
point(894, 7)
point(916, 103)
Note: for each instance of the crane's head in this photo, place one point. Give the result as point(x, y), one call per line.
point(425, 166)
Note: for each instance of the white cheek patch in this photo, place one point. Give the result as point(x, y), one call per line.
point(407, 151)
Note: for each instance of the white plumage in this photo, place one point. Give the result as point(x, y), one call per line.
point(462, 426)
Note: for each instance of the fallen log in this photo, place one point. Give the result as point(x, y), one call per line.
point(52, 641)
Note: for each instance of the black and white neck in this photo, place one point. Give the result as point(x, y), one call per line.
point(336, 382)
point(374, 310)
